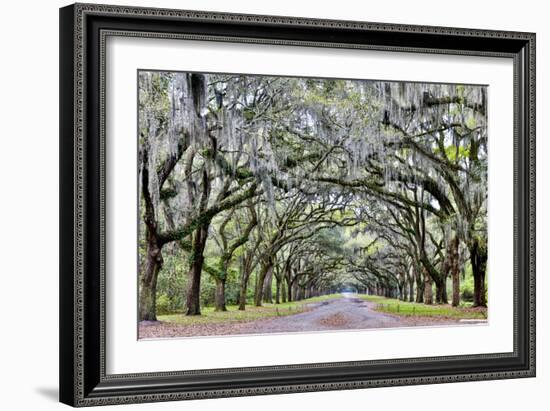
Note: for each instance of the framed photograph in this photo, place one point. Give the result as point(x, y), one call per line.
point(261, 204)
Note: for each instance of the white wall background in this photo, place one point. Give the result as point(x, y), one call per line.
point(29, 204)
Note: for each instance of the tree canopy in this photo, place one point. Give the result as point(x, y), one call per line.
point(256, 189)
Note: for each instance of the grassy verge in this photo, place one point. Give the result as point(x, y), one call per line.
point(394, 306)
point(233, 315)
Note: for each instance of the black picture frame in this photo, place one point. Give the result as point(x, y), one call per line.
point(83, 29)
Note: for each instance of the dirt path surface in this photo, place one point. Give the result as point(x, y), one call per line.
point(344, 313)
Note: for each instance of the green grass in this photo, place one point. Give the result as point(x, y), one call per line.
point(233, 315)
point(394, 306)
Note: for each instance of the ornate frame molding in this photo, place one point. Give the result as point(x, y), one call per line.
point(82, 343)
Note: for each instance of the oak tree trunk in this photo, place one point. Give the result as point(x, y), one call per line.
point(246, 271)
point(219, 296)
point(478, 259)
point(196, 260)
point(267, 292)
point(444, 296)
point(277, 291)
point(259, 289)
point(242, 297)
point(148, 283)
point(455, 271)
point(428, 292)
point(148, 287)
point(419, 285)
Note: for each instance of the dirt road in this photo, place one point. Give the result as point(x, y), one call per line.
point(348, 312)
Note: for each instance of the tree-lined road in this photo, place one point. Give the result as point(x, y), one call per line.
point(263, 190)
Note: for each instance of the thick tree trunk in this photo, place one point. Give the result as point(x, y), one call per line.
point(478, 259)
point(219, 297)
point(277, 291)
point(411, 290)
point(147, 297)
point(419, 285)
point(267, 292)
point(455, 272)
point(479, 289)
point(456, 289)
point(283, 291)
point(444, 296)
point(435, 277)
point(147, 303)
point(153, 258)
point(243, 287)
point(148, 283)
point(419, 298)
point(441, 292)
point(259, 289)
point(242, 297)
point(196, 259)
point(192, 300)
point(428, 292)
point(452, 250)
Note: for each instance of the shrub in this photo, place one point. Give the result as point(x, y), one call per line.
point(163, 305)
